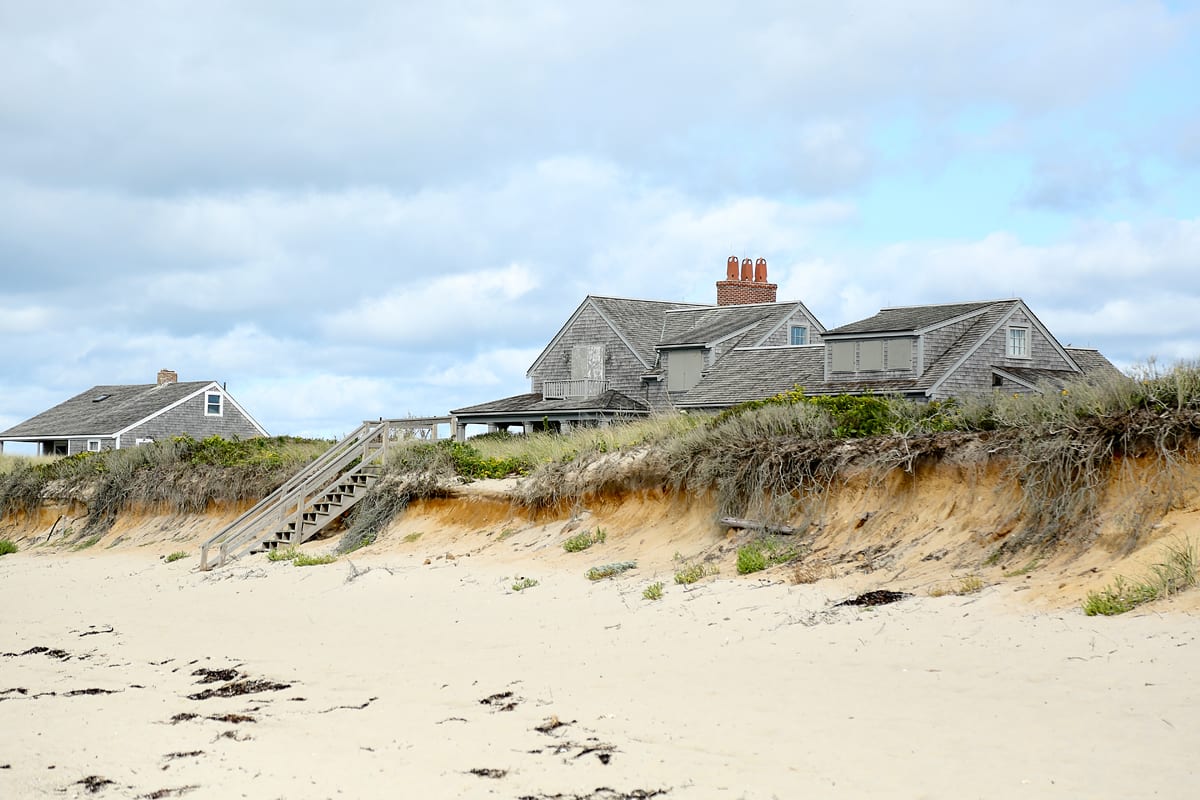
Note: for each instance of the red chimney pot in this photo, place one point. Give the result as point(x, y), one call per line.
point(747, 269)
point(760, 271)
point(731, 269)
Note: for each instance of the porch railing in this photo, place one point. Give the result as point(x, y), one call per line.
point(574, 389)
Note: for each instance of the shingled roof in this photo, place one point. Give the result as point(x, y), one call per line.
point(104, 410)
point(709, 325)
point(907, 319)
point(532, 403)
point(753, 373)
point(639, 322)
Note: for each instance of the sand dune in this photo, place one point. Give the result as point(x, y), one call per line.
point(385, 676)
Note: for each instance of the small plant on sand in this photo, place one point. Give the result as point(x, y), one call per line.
point(653, 592)
point(968, 585)
point(7, 546)
point(305, 560)
point(524, 583)
point(762, 553)
point(412, 537)
point(691, 573)
point(86, 543)
point(282, 554)
point(507, 533)
point(582, 541)
point(176, 556)
point(1033, 564)
point(610, 570)
point(1176, 572)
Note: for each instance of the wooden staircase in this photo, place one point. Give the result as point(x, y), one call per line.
point(311, 499)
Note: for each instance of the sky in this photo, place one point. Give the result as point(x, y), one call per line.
point(363, 209)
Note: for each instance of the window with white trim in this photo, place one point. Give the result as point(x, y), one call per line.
point(799, 335)
point(93, 445)
point(1017, 342)
point(213, 405)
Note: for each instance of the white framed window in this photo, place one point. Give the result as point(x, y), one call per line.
point(799, 335)
point(93, 445)
point(1017, 342)
point(213, 405)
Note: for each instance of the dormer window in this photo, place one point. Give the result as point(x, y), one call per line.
point(212, 404)
point(1018, 342)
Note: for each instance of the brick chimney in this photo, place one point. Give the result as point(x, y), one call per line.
point(745, 285)
point(167, 376)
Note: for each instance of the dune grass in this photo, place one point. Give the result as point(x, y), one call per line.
point(1176, 572)
point(7, 546)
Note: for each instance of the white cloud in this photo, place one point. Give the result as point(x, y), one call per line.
point(417, 313)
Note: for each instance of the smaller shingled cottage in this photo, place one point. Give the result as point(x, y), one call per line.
point(115, 417)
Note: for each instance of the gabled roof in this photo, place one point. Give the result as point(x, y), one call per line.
point(1093, 363)
point(638, 323)
point(122, 406)
point(710, 326)
point(533, 404)
point(913, 319)
point(753, 373)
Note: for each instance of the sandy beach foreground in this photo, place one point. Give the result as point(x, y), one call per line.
point(385, 676)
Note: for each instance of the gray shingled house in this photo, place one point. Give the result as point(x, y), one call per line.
point(619, 358)
point(113, 417)
point(927, 352)
point(615, 357)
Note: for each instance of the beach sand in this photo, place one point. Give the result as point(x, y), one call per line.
point(402, 672)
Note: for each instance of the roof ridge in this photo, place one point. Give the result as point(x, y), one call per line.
point(957, 303)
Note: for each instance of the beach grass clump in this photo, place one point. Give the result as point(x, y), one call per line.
point(176, 556)
point(7, 546)
point(653, 592)
point(282, 554)
point(305, 560)
point(757, 555)
point(522, 584)
point(1176, 572)
point(88, 542)
point(692, 573)
point(610, 570)
point(582, 541)
point(969, 584)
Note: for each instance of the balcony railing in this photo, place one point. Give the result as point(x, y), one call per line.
point(578, 388)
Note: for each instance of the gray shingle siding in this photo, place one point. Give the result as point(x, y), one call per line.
point(975, 374)
point(937, 342)
point(76, 446)
point(189, 417)
point(622, 369)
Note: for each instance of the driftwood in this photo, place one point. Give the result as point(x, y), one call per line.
point(756, 525)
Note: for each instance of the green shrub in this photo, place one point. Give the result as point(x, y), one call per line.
point(282, 554)
point(305, 560)
point(653, 592)
point(761, 553)
point(610, 570)
point(692, 573)
point(176, 556)
point(582, 541)
point(523, 584)
point(7, 546)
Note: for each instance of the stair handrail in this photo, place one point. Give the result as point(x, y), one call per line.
point(253, 519)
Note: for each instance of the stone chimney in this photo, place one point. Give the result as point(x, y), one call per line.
point(745, 285)
point(167, 376)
